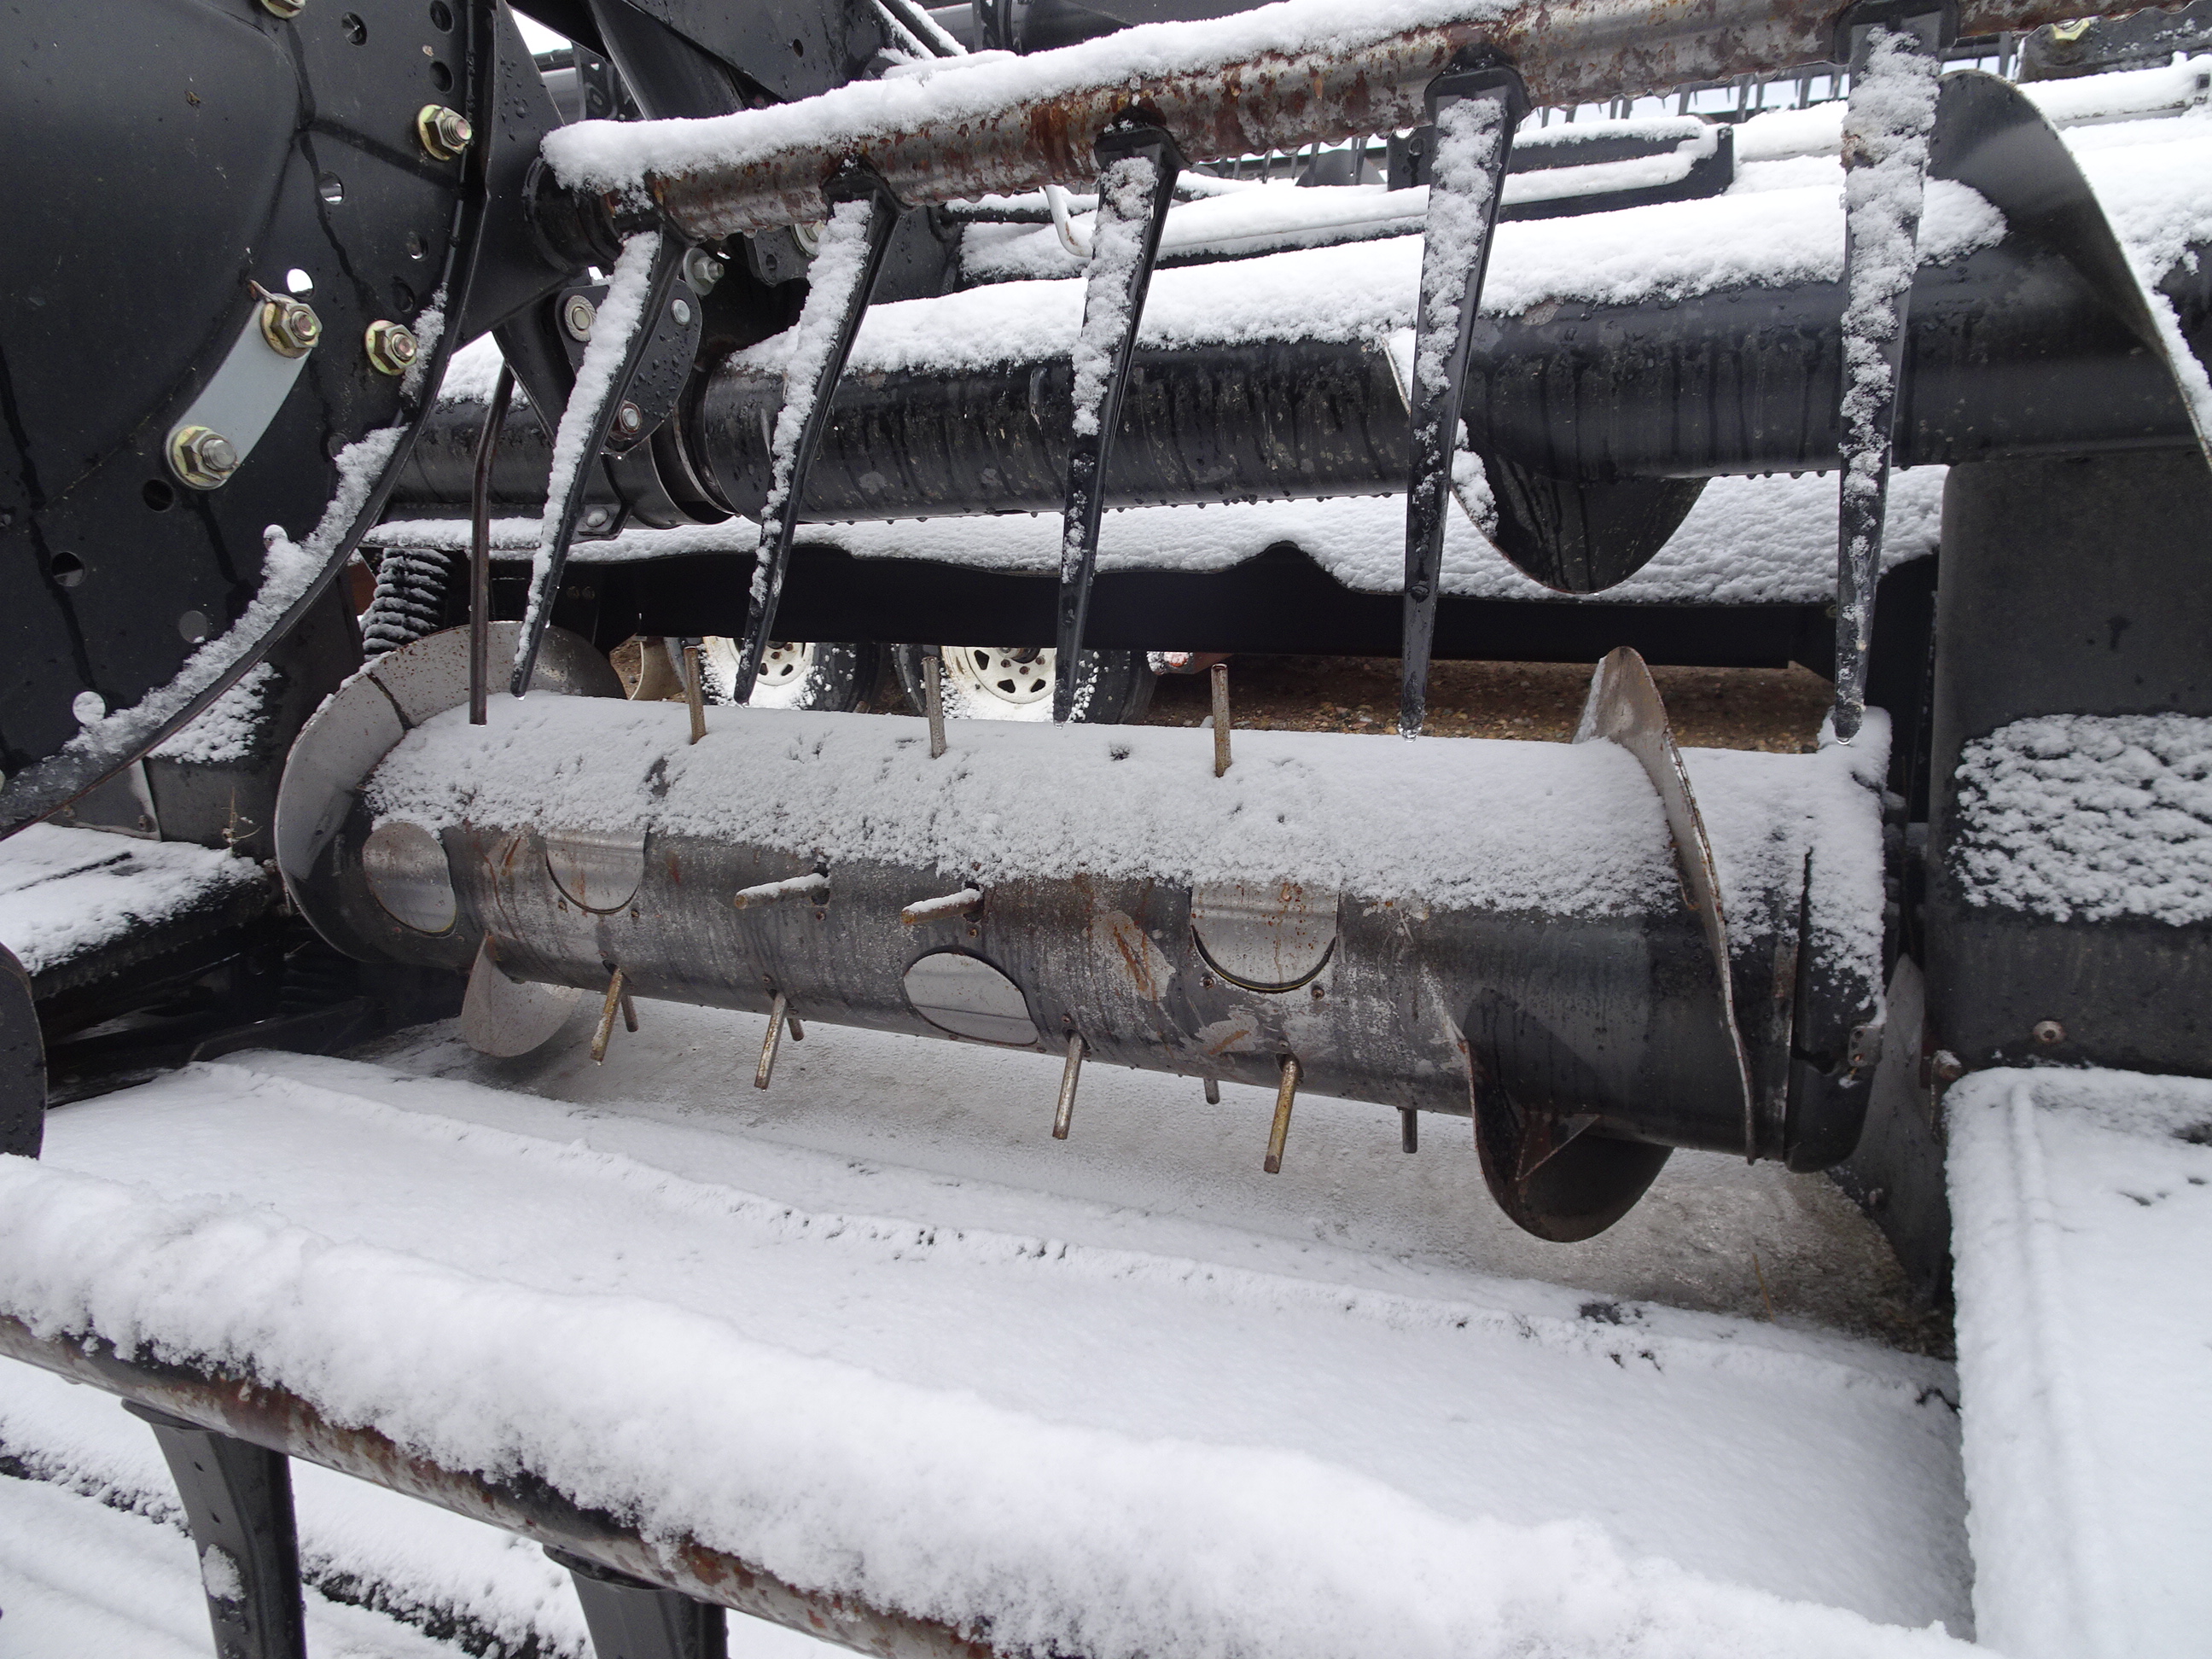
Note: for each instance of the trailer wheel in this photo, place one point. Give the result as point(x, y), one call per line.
point(1014, 682)
point(795, 673)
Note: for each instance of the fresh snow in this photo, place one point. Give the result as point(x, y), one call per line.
point(2081, 1204)
point(1766, 540)
point(223, 733)
point(2089, 818)
point(1110, 1424)
point(64, 892)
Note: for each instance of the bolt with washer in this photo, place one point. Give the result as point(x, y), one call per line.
point(292, 329)
point(2049, 1032)
point(203, 457)
point(445, 132)
point(703, 271)
point(629, 420)
point(577, 316)
point(681, 311)
point(393, 347)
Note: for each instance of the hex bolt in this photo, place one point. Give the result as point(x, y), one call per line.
point(703, 271)
point(393, 347)
point(203, 457)
point(292, 329)
point(629, 420)
point(445, 132)
point(286, 9)
point(577, 316)
point(681, 311)
point(2049, 1032)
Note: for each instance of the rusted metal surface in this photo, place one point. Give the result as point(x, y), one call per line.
point(283, 1422)
point(1568, 51)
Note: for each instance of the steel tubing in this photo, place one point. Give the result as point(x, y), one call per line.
point(1236, 103)
point(282, 1421)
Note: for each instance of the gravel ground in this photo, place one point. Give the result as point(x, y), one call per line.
point(1770, 708)
point(1776, 709)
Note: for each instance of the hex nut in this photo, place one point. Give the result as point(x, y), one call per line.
point(2049, 1032)
point(393, 347)
point(445, 132)
point(203, 457)
point(577, 316)
point(702, 270)
point(629, 420)
point(292, 329)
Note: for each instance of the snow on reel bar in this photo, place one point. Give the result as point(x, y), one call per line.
point(1464, 927)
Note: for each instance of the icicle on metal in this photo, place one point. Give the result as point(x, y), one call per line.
point(779, 1017)
point(862, 215)
point(1136, 169)
point(644, 276)
point(1887, 123)
point(1475, 111)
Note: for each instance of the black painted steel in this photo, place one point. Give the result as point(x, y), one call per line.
point(114, 569)
point(238, 1503)
point(787, 485)
point(22, 1063)
point(2077, 587)
point(1474, 111)
point(631, 1618)
point(1136, 169)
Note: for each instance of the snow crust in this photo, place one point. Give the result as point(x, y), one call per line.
point(2081, 1202)
point(64, 892)
point(972, 1422)
point(2089, 818)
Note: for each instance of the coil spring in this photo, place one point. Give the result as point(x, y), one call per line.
point(410, 600)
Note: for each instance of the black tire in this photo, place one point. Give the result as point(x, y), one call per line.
point(1115, 687)
point(836, 677)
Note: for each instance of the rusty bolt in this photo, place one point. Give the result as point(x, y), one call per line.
point(445, 132)
point(203, 457)
point(2049, 1032)
point(629, 420)
point(291, 329)
point(285, 9)
point(577, 316)
point(393, 347)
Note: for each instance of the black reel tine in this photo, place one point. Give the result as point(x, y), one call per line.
point(1138, 165)
point(1474, 111)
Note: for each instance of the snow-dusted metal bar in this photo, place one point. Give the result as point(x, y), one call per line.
point(521, 1502)
point(1276, 80)
point(1886, 128)
point(1137, 168)
point(1475, 113)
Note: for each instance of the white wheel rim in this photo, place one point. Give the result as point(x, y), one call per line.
point(785, 672)
point(1001, 682)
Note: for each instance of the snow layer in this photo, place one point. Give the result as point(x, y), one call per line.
point(1364, 291)
point(2089, 818)
point(223, 733)
point(64, 892)
point(1105, 1449)
point(1766, 540)
point(1575, 830)
point(2081, 1206)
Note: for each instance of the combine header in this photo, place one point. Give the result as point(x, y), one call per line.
point(263, 232)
